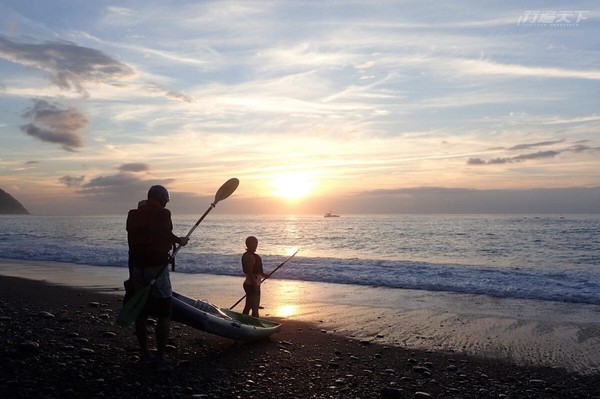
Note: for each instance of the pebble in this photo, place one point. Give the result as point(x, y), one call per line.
point(46, 315)
point(421, 394)
point(29, 346)
point(94, 304)
point(392, 393)
point(538, 382)
point(420, 369)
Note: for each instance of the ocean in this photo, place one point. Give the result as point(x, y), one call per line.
point(543, 257)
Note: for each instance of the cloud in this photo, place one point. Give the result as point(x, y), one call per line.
point(70, 66)
point(576, 148)
point(119, 186)
point(518, 158)
point(71, 181)
point(534, 145)
point(170, 93)
point(484, 67)
point(58, 124)
point(134, 167)
point(535, 155)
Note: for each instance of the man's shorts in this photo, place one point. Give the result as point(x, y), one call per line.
point(141, 278)
point(159, 300)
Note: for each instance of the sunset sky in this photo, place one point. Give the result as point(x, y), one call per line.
point(349, 106)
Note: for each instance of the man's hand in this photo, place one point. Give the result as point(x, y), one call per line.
point(184, 240)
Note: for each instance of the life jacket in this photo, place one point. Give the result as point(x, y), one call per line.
point(149, 228)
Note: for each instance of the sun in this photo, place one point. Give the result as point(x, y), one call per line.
point(293, 186)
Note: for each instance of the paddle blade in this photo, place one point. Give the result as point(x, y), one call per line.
point(226, 189)
point(132, 308)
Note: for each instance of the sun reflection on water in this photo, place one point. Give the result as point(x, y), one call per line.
point(286, 311)
point(289, 296)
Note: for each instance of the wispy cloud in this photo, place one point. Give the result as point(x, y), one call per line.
point(155, 87)
point(485, 67)
point(574, 148)
point(54, 123)
point(518, 158)
point(70, 66)
point(134, 167)
point(72, 181)
point(121, 185)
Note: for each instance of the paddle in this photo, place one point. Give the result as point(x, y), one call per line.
point(132, 308)
point(268, 275)
point(223, 192)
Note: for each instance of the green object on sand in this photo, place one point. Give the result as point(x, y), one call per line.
point(134, 305)
point(132, 308)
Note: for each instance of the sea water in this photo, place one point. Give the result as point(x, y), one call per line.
point(544, 257)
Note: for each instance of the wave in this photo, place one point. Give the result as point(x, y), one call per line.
point(519, 283)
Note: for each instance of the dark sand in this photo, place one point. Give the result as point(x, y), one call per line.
point(62, 342)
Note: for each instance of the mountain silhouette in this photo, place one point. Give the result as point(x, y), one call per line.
point(10, 206)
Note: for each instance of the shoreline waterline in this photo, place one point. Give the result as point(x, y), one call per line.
point(527, 332)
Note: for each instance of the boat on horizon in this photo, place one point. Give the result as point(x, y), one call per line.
point(331, 215)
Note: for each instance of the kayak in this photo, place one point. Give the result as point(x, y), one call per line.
point(207, 317)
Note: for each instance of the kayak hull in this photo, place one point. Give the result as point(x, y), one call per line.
point(207, 317)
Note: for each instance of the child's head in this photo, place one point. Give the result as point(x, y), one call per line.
point(251, 243)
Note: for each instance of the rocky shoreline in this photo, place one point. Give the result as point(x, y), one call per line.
point(60, 342)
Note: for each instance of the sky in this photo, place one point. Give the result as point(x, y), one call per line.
point(315, 106)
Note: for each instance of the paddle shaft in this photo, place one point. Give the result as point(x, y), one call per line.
point(283, 263)
point(210, 208)
point(223, 192)
point(268, 275)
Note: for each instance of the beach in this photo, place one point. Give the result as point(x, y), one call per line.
point(59, 339)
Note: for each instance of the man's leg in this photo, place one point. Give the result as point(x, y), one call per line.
point(162, 335)
point(142, 337)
